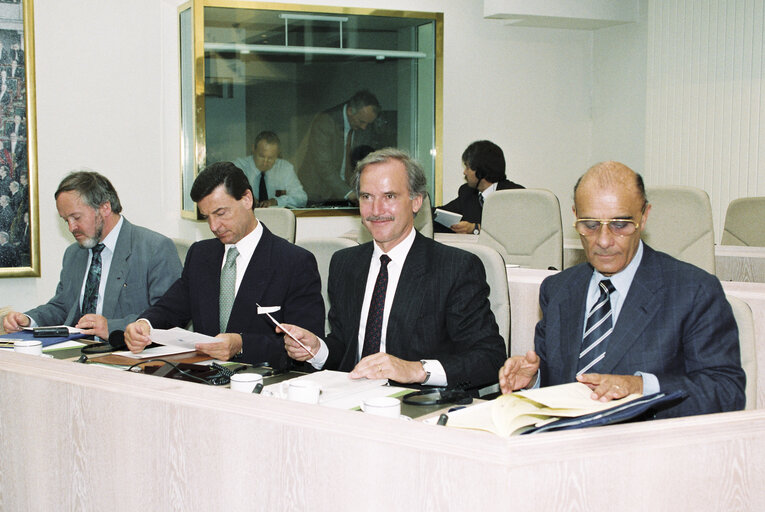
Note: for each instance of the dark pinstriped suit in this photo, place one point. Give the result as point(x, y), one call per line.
point(440, 311)
point(675, 323)
point(279, 274)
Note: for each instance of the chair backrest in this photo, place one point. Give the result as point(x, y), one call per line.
point(182, 246)
point(524, 226)
point(496, 277)
point(423, 222)
point(745, 320)
point(323, 249)
point(280, 221)
point(680, 224)
point(744, 222)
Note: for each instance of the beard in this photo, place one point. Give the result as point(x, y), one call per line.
point(91, 242)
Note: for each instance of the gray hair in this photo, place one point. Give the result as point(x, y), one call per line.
point(94, 189)
point(416, 176)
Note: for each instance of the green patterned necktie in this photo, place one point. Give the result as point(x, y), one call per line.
point(92, 283)
point(227, 287)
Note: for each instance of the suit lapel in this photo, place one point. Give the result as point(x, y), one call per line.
point(572, 312)
point(208, 285)
point(76, 273)
point(641, 305)
point(118, 268)
point(408, 299)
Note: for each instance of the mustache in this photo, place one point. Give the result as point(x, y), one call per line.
point(378, 218)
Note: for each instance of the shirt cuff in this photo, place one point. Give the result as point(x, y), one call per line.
point(32, 322)
point(437, 373)
point(650, 383)
point(322, 354)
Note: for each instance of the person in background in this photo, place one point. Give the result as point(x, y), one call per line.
point(273, 179)
point(484, 171)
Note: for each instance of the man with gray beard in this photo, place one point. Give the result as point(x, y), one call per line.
point(115, 271)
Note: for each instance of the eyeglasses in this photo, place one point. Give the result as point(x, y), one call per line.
point(619, 227)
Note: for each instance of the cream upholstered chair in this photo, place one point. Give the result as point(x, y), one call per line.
point(744, 222)
point(746, 336)
point(423, 222)
point(680, 224)
point(323, 249)
point(496, 277)
point(524, 226)
point(280, 221)
point(182, 246)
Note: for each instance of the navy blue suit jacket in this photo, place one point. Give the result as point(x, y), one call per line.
point(440, 311)
point(674, 323)
point(279, 274)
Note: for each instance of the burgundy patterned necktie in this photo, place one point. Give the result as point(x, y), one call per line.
point(373, 332)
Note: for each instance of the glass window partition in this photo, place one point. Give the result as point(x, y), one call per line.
point(306, 92)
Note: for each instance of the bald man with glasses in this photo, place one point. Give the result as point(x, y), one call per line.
point(631, 319)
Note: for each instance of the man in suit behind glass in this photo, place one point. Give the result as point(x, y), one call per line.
point(264, 269)
point(432, 324)
point(135, 266)
point(672, 325)
point(323, 161)
point(484, 170)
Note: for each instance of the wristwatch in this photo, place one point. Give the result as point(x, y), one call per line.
point(476, 228)
point(425, 365)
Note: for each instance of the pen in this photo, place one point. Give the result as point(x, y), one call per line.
point(287, 332)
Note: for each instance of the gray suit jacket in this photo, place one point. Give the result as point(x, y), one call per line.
point(440, 311)
point(674, 323)
point(143, 267)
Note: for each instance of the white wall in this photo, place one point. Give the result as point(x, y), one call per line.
point(107, 98)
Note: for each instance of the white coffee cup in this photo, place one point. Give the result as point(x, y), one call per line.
point(33, 347)
point(245, 382)
point(382, 406)
point(303, 390)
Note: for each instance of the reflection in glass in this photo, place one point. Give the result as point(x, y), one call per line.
point(295, 74)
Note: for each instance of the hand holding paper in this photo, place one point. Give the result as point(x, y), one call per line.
point(298, 355)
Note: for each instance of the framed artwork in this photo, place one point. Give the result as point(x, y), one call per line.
point(19, 216)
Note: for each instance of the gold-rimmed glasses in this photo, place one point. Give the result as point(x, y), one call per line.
point(618, 227)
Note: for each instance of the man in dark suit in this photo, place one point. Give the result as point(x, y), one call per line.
point(404, 307)
point(484, 170)
point(226, 278)
point(139, 264)
point(323, 160)
point(663, 324)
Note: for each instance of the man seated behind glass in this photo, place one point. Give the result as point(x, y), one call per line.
point(273, 179)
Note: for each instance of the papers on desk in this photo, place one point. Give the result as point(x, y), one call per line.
point(173, 341)
point(523, 410)
point(446, 218)
point(338, 390)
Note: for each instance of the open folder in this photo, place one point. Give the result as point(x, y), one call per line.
point(560, 407)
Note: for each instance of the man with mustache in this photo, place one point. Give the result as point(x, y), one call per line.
point(631, 319)
point(404, 307)
point(229, 282)
point(113, 272)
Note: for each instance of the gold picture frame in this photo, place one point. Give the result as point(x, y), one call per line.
point(19, 214)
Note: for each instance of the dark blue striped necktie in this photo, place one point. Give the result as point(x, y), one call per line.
point(599, 327)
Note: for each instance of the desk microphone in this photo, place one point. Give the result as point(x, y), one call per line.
point(117, 340)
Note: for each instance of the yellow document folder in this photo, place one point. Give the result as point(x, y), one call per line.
point(514, 413)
